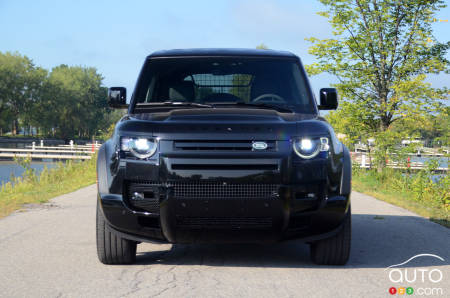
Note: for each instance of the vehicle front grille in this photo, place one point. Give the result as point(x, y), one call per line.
point(224, 222)
point(197, 190)
point(224, 190)
point(222, 145)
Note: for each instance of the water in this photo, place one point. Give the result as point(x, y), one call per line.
point(442, 161)
point(26, 142)
point(10, 167)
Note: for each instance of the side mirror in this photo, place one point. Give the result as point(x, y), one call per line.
point(117, 97)
point(328, 99)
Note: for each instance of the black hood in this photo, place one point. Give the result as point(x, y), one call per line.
point(216, 123)
point(222, 114)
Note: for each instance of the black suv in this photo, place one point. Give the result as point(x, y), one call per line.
point(223, 145)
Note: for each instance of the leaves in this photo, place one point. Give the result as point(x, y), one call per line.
point(262, 46)
point(67, 102)
point(381, 56)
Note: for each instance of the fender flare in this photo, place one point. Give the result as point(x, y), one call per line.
point(102, 176)
point(346, 176)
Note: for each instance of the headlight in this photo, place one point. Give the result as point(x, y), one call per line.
point(308, 148)
point(139, 147)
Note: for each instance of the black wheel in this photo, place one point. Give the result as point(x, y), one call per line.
point(334, 250)
point(112, 249)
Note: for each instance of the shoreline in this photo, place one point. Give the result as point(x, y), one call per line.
point(36, 189)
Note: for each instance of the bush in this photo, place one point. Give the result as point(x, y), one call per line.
point(427, 193)
point(31, 188)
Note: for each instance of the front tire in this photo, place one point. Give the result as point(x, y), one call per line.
point(334, 250)
point(111, 248)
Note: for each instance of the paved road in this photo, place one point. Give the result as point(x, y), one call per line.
point(49, 251)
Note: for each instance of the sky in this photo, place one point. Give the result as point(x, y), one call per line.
point(116, 36)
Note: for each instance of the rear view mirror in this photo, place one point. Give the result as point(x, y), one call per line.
point(117, 97)
point(328, 99)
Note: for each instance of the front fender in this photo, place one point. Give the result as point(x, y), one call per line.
point(346, 176)
point(102, 175)
point(108, 174)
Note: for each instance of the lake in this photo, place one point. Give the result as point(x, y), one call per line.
point(10, 167)
point(442, 161)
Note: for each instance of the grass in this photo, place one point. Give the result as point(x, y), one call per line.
point(33, 189)
point(415, 193)
point(398, 193)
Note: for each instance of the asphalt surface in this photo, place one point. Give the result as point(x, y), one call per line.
point(49, 251)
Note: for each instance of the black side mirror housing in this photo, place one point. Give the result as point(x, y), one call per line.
point(117, 97)
point(328, 99)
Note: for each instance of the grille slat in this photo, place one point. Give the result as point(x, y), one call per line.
point(223, 145)
point(224, 190)
point(212, 190)
point(232, 167)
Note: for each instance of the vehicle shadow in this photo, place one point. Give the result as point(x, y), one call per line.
point(378, 241)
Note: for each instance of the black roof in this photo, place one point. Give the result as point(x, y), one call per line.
point(221, 52)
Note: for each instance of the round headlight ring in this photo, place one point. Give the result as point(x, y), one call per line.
point(321, 144)
point(307, 141)
point(142, 147)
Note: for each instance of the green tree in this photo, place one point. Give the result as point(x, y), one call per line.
point(353, 122)
point(20, 81)
point(75, 102)
point(68, 102)
point(381, 53)
point(443, 127)
point(262, 46)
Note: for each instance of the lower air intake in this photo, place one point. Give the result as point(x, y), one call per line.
point(224, 222)
point(224, 191)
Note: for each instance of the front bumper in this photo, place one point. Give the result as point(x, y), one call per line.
point(235, 196)
point(228, 220)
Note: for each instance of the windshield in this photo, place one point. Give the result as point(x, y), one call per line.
point(224, 81)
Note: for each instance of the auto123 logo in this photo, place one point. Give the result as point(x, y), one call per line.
point(410, 281)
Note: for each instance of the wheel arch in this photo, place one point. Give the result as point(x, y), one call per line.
point(102, 175)
point(346, 175)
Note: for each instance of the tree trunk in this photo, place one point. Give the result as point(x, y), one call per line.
point(380, 166)
point(14, 127)
point(385, 122)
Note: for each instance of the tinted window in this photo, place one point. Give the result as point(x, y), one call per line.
point(225, 80)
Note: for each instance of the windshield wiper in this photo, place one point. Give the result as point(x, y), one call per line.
point(260, 105)
point(175, 104)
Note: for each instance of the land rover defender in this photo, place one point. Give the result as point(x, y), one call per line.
point(223, 145)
